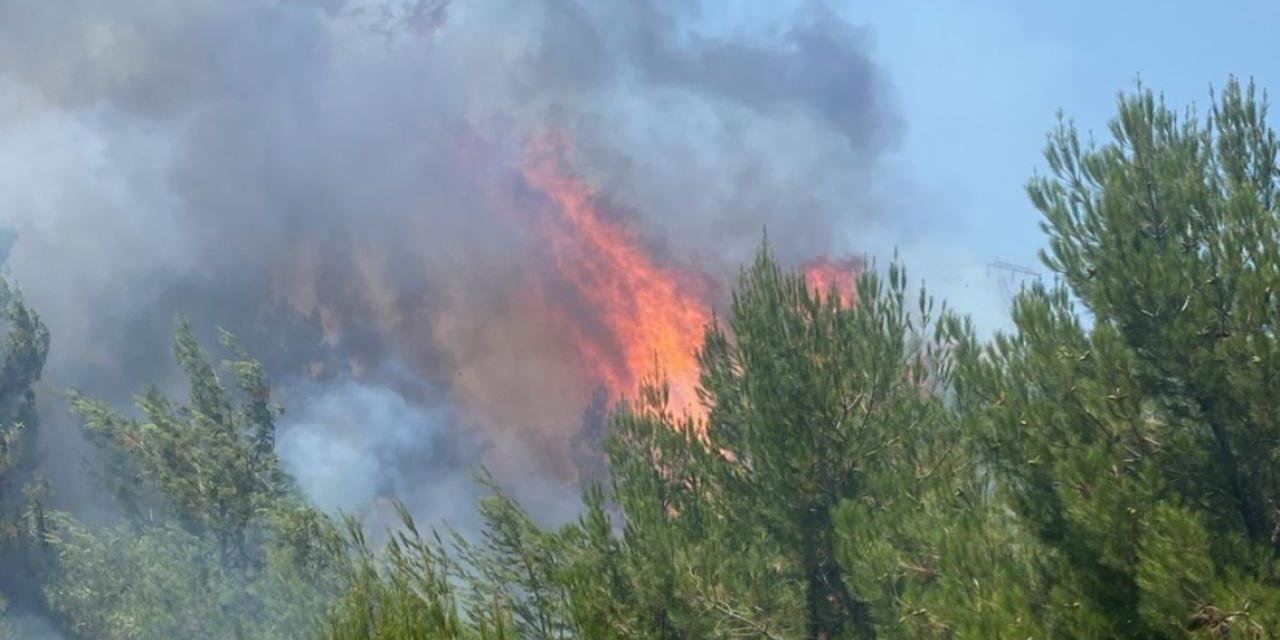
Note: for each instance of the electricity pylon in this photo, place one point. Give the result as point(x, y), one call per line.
point(1011, 276)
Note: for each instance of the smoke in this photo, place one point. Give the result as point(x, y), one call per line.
point(27, 627)
point(339, 183)
point(350, 446)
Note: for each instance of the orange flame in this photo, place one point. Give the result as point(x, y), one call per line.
point(644, 313)
point(823, 275)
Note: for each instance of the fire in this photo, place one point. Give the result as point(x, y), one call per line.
point(516, 329)
point(823, 275)
point(643, 315)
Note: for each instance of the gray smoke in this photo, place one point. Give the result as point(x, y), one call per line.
point(342, 439)
point(27, 627)
point(333, 180)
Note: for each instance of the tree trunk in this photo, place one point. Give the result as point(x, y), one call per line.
point(831, 608)
point(1251, 516)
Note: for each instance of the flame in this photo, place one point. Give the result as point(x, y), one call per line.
point(519, 328)
point(824, 275)
point(642, 314)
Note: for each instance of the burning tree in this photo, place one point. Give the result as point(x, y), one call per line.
point(861, 466)
point(819, 464)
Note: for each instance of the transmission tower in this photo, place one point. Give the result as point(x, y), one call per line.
point(1012, 277)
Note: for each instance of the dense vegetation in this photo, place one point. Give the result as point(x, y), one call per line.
point(1110, 467)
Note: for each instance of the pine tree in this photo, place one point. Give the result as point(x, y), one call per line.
point(1106, 470)
point(217, 541)
point(26, 347)
point(828, 433)
point(407, 591)
point(1129, 418)
point(817, 405)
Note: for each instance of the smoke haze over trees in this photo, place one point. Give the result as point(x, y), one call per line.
point(451, 319)
point(875, 469)
point(340, 184)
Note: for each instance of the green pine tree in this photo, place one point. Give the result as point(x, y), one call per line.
point(217, 541)
point(407, 591)
point(1129, 420)
point(815, 502)
point(26, 347)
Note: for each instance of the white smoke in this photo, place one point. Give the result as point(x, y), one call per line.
point(347, 445)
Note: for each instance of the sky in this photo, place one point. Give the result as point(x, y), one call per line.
point(980, 83)
point(364, 164)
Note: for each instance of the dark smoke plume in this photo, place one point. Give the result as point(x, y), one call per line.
point(334, 181)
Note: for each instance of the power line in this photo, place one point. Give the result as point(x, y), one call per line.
point(1013, 268)
point(1010, 274)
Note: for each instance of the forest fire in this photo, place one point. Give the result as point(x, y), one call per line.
point(518, 343)
point(824, 274)
point(647, 316)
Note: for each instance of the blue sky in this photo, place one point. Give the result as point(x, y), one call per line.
point(979, 84)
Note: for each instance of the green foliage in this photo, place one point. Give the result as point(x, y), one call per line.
point(790, 511)
point(869, 472)
point(405, 593)
point(163, 581)
point(517, 564)
point(155, 582)
point(1140, 448)
point(218, 543)
point(211, 462)
point(26, 346)
point(1110, 468)
point(820, 405)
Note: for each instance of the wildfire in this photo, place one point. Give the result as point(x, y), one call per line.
point(642, 314)
point(823, 275)
point(517, 329)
